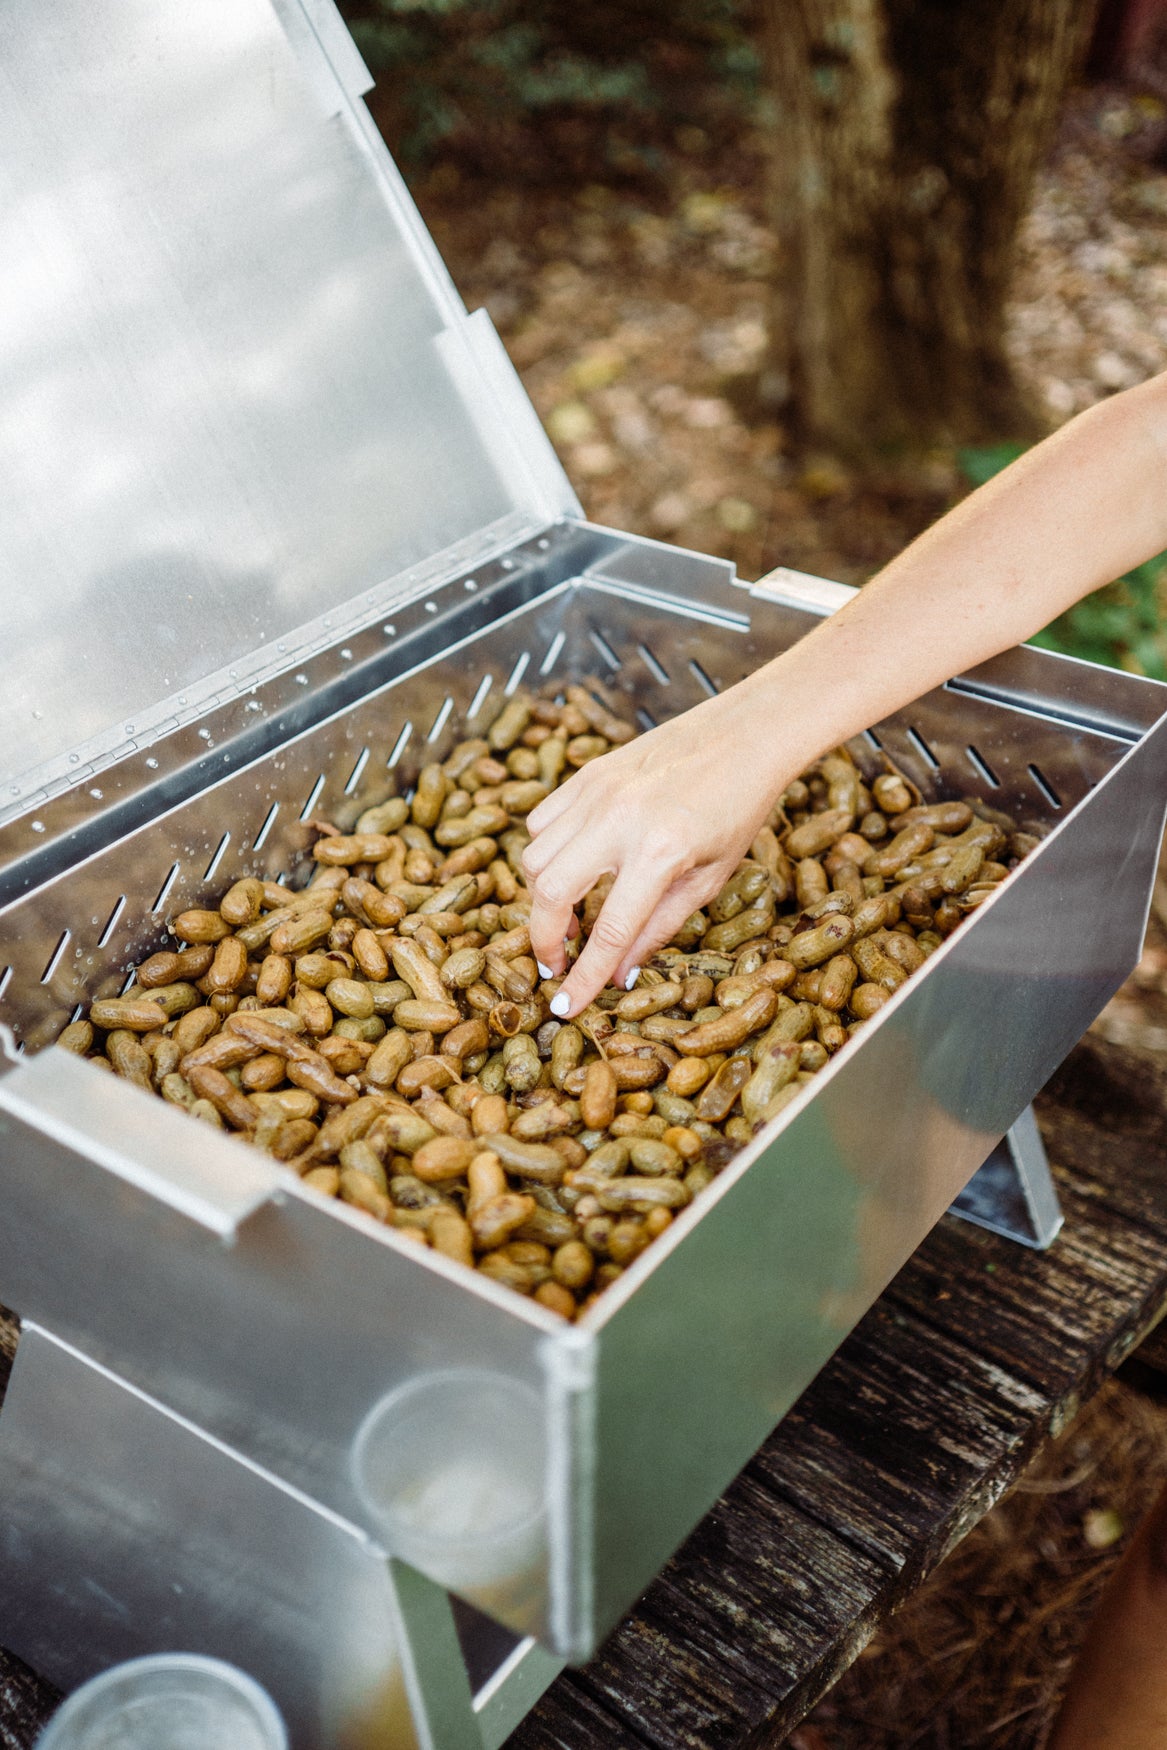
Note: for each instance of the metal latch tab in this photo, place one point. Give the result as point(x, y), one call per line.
point(799, 589)
point(199, 1172)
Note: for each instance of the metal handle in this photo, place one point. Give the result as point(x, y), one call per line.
point(196, 1170)
point(801, 589)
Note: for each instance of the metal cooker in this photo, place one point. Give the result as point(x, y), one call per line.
point(279, 521)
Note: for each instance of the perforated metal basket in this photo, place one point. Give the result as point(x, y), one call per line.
point(209, 1320)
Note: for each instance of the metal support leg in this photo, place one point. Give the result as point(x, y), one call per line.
point(513, 1689)
point(446, 1716)
point(125, 1529)
point(1013, 1192)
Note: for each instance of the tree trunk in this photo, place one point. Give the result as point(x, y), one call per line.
point(908, 135)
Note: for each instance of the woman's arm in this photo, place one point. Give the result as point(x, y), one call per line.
point(671, 813)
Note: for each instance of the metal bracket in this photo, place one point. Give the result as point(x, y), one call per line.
point(65, 1103)
point(446, 1716)
point(1013, 1192)
point(802, 589)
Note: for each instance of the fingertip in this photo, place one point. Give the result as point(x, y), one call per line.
point(547, 925)
point(560, 1005)
point(546, 811)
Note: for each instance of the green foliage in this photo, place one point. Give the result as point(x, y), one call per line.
point(1122, 625)
point(524, 81)
point(979, 465)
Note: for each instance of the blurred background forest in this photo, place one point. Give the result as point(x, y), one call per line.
point(784, 279)
point(619, 185)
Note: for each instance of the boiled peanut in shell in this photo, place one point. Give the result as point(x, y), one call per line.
point(386, 1031)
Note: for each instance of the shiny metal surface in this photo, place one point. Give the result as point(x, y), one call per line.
point(283, 1344)
point(169, 1539)
point(188, 755)
point(241, 406)
point(151, 1537)
point(202, 1177)
point(1012, 1192)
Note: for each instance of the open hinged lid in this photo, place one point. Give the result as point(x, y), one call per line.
point(241, 404)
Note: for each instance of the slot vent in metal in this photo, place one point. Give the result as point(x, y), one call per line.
point(400, 745)
point(313, 797)
point(873, 740)
point(270, 821)
point(552, 656)
point(654, 665)
point(442, 718)
point(217, 855)
point(128, 980)
point(354, 776)
point(702, 679)
point(645, 718)
point(922, 748)
point(111, 921)
point(1045, 786)
point(605, 649)
point(5, 979)
point(480, 695)
point(980, 765)
point(164, 891)
point(517, 673)
point(54, 959)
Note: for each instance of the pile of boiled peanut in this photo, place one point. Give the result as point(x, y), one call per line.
point(385, 1032)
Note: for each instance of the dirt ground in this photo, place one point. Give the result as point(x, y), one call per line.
point(637, 321)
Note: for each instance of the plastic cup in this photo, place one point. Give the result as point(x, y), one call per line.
point(168, 1701)
point(450, 1468)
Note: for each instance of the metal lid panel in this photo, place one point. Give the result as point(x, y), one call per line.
point(237, 391)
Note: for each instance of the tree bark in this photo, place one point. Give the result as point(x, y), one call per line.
point(908, 135)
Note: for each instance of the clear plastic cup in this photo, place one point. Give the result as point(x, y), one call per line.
point(450, 1468)
point(168, 1701)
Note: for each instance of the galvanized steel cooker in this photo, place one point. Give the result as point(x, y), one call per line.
point(279, 519)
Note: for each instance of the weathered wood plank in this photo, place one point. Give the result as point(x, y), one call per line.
point(901, 1427)
point(1106, 1109)
point(26, 1702)
point(717, 1603)
point(1035, 1314)
point(571, 1718)
point(900, 1446)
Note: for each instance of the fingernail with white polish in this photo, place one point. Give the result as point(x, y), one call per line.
point(560, 1003)
point(632, 978)
point(544, 971)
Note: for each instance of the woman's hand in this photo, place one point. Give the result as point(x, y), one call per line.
point(669, 815)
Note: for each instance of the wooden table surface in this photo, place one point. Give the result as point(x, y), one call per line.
point(975, 1354)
